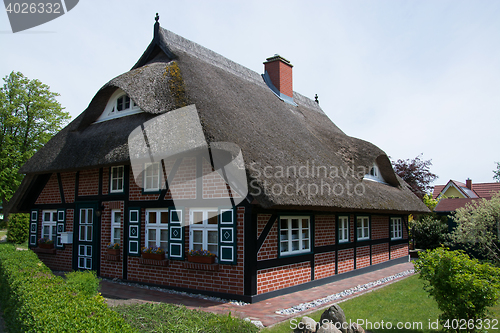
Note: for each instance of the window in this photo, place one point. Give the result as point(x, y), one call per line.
point(343, 229)
point(152, 176)
point(396, 228)
point(86, 220)
point(116, 179)
point(363, 227)
point(294, 235)
point(119, 105)
point(49, 224)
point(375, 175)
point(116, 220)
point(203, 230)
point(157, 228)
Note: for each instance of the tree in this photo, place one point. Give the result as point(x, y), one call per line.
point(478, 227)
point(29, 116)
point(496, 173)
point(416, 174)
point(463, 288)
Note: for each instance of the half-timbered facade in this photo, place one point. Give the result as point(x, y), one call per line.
point(189, 150)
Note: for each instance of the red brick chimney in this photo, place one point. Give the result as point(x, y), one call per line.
point(468, 183)
point(280, 72)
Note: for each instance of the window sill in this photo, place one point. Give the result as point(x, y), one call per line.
point(112, 257)
point(201, 267)
point(46, 251)
point(153, 262)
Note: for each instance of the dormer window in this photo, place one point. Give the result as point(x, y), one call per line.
point(119, 105)
point(374, 174)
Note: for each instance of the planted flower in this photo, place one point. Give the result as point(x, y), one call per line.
point(201, 256)
point(45, 240)
point(201, 253)
point(153, 249)
point(113, 246)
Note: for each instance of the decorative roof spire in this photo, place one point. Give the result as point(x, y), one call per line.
point(316, 98)
point(157, 26)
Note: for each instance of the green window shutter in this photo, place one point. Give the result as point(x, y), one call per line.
point(176, 234)
point(33, 227)
point(227, 236)
point(134, 232)
point(61, 227)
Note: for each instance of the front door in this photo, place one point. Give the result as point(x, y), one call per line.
point(86, 246)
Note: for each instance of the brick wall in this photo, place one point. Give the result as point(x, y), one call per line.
point(345, 260)
point(105, 181)
point(110, 268)
point(398, 251)
point(88, 182)
point(380, 226)
point(229, 278)
point(269, 249)
point(68, 182)
point(362, 257)
point(214, 185)
point(50, 193)
point(183, 185)
point(275, 278)
point(324, 230)
point(380, 253)
point(324, 265)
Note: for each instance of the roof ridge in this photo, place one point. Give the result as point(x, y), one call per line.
point(205, 54)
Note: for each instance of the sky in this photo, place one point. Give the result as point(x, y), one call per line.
point(412, 77)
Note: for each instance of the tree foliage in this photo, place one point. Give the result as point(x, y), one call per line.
point(496, 173)
point(478, 227)
point(416, 174)
point(428, 231)
point(463, 288)
point(29, 116)
point(18, 228)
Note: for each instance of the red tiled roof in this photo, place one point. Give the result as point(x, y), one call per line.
point(483, 190)
point(437, 190)
point(452, 204)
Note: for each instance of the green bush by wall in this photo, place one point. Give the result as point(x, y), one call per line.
point(18, 228)
point(34, 300)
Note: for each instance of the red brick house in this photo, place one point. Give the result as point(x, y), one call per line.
point(315, 205)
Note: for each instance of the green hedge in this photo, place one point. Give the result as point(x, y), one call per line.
point(18, 228)
point(34, 300)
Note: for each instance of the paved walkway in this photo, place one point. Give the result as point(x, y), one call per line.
point(264, 311)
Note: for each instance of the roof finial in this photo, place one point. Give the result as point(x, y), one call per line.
point(157, 26)
point(316, 98)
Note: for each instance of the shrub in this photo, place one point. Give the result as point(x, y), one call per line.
point(428, 232)
point(18, 228)
point(462, 287)
point(34, 300)
point(86, 282)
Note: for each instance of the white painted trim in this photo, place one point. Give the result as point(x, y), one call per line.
point(110, 109)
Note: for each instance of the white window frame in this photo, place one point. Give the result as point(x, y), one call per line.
point(289, 240)
point(116, 225)
point(111, 109)
point(86, 226)
point(344, 229)
point(149, 175)
point(52, 224)
point(375, 175)
point(118, 179)
point(204, 227)
point(158, 227)
point(364, 228)
point(396, 228)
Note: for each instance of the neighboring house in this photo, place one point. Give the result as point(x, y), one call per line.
point(189, 150)
point(456, 195)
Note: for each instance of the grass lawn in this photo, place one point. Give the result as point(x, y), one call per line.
point(174, 318)
point(404, 301)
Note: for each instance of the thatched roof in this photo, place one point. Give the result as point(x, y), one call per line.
point(234, 105)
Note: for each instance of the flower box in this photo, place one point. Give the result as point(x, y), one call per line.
point(114, 252)
point(154, 256)
point(46, 246)
point(202, 259)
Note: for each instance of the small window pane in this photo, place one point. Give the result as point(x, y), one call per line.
point(305, 223)
point(295, 234)
point(164, 217)
point(164, 234)
point(284, 224)
point(152, 217)
point(212, 217)
point(212, 236)
point(197, 217)
point(295, 223)
point(212, 248)
point(284, 247)
point(295, 245)
point(284, 235)
point(197, 236)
